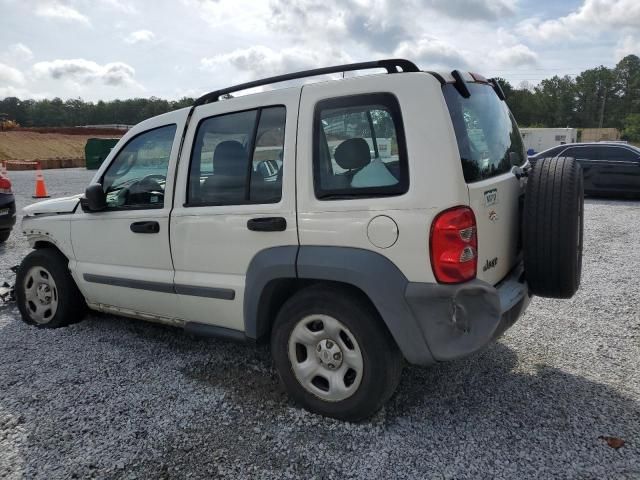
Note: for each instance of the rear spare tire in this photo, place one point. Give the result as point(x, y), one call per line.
point(552, 227)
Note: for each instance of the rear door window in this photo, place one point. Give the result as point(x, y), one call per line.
point(584, 153)
point(237, 158)
point(488, 138)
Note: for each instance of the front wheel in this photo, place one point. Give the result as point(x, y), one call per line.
point(334, 355)
point(46, 294)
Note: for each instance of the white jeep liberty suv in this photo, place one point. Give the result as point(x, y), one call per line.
point(355, 223)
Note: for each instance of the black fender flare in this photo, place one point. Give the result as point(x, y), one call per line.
point(373, 274)
point(268, 265)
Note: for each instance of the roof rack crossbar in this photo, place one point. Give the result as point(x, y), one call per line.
point(394, 65)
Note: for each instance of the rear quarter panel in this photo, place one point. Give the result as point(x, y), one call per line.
point(435, 174)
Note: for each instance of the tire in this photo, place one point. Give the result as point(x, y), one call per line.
point(351, 328)
point(553, 227)
point(4, 236)
point(46, 294)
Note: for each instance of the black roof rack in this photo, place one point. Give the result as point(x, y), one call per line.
point(391, 65)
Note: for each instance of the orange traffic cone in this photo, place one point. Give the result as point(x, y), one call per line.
point(41, 188)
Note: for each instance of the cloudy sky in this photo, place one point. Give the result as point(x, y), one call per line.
point(105, 49)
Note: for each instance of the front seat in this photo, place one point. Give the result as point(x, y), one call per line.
point(230, 170)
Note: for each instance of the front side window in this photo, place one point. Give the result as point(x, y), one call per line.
point(555, 151)
point(488, 138)
point(359, 147)
point(237, 159)
point(137, 176)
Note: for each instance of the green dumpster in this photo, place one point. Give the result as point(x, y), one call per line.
point(96, 150)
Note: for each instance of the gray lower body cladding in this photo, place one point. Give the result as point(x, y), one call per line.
point(429, 322)
point(458, 320)
point(382, 282)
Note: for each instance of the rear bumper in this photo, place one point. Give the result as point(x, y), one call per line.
point(458, 320)
point(7, 220)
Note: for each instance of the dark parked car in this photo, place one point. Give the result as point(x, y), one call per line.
point(609, 168)
point(7, 208)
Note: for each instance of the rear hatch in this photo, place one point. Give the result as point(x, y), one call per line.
point(490, 147)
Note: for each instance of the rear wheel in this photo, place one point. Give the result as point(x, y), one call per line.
point(334, 355)
point(46, 294)
point(553, 227)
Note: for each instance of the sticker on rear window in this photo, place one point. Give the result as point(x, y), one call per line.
point(491, 197)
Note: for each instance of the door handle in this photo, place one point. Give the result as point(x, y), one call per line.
point(267, 224)
point(145, 227)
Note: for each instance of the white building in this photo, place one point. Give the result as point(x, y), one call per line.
point(539, 139)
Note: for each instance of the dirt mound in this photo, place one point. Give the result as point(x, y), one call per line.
point(23, 145)
point(111, 132)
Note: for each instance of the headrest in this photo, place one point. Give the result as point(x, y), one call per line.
point(229, 158)
point(353, 153)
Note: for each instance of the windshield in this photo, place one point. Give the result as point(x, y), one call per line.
point(488, 137)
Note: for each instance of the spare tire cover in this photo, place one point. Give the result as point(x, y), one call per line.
point(552, 227)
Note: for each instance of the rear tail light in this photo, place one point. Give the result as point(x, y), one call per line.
point(5, 185)
point(453, 246)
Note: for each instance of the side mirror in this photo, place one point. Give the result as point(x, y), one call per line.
point(94, 199)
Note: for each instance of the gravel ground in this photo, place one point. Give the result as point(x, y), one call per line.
point(117, 398)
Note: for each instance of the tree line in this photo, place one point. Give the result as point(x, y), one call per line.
point(76, 112)
point(598, 97)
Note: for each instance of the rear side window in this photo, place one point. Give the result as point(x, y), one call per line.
point(487, 134)
point(359, 147)
point(618, 154)
point(237, 158)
